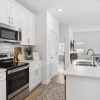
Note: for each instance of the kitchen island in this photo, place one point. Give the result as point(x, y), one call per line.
point(82, 82)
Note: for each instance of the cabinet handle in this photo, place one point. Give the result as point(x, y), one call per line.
point(29, 41)
point(12, 20)
point(36, 72)
point(8, 19)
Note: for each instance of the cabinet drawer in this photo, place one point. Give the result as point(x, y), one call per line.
point(32, 64)
point(39, 63)
point(2, 76)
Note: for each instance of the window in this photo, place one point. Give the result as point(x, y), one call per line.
point(79, 47)
point(61, 48)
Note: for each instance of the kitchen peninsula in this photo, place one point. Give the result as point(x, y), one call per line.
point(82, 82)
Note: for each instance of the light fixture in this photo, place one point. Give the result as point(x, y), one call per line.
point(60, 10)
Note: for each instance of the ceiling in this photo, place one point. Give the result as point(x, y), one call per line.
point(75, 12)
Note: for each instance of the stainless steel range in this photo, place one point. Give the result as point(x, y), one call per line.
point(17, 78)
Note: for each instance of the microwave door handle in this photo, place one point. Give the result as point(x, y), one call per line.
point(18, 35)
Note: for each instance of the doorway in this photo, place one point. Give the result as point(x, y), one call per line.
point(61, 57)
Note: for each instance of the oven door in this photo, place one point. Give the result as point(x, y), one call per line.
point(17, 81)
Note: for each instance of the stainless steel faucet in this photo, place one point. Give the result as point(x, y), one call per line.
point(92, 55)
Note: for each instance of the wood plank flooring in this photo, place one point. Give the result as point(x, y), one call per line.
point(37, 91)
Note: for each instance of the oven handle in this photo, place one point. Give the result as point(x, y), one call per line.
point(17, 69)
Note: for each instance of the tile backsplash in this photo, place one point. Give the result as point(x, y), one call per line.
point(9, 48)
point(6, 48)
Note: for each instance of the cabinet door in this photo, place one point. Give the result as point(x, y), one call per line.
point(31, 26)
point(5, 11)
point(32, 79)
point(24, 27)
point(53, 53)
point(39, 75)
point(15, 15)
point(3, 90)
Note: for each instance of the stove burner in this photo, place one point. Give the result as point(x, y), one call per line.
point(3, 55)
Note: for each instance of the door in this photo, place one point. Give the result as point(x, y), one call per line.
point(32, 79)
point(31, 30)
point(24, 26)
point(15, 15)
point(5, 11)
point(16, 79)
point(54, 54)
point(3, 90)
point(39, 74)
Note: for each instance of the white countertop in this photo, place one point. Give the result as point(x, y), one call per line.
point(2, 70)
point(30, 60)
point(82, 71)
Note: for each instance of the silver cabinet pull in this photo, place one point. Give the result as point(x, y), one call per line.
point(36, 72)
point(28, 40)
point(8, 19)
point(12, 20)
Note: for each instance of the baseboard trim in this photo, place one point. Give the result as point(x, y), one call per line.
point(46, 82)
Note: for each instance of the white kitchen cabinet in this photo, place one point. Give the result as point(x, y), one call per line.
point(15, 15)
point(24, 26)
point(39, 75)
point(5, 11)
point(35, 74)
point(3, 86)
point(31, 28)
point(28, 27)
point(3, 90)
point(9, 13)
point(32, 79)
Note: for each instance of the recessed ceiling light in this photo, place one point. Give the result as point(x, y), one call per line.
point(60, 10)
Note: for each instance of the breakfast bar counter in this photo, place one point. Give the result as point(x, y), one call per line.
point(82, 82)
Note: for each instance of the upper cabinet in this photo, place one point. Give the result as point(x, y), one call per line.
point(12, 13)
point(24, 26)
point(9, 13)
point(5, 11)
point(28, 27)
point(31, 28)
point(15, 15)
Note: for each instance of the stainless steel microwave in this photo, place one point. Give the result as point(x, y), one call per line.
point(9, 33)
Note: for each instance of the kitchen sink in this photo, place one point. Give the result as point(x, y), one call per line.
point(84, 63)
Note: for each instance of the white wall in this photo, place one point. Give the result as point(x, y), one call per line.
point(85, 28)
point(44, 23)
point(40, 45)
point(66, 35)
point(91, 40)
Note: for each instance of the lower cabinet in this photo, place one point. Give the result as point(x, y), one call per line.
point(3, 90)
point(39, 75)
point(35, 75)
point(32, 79)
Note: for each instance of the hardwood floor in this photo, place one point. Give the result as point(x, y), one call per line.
point(37, 91)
